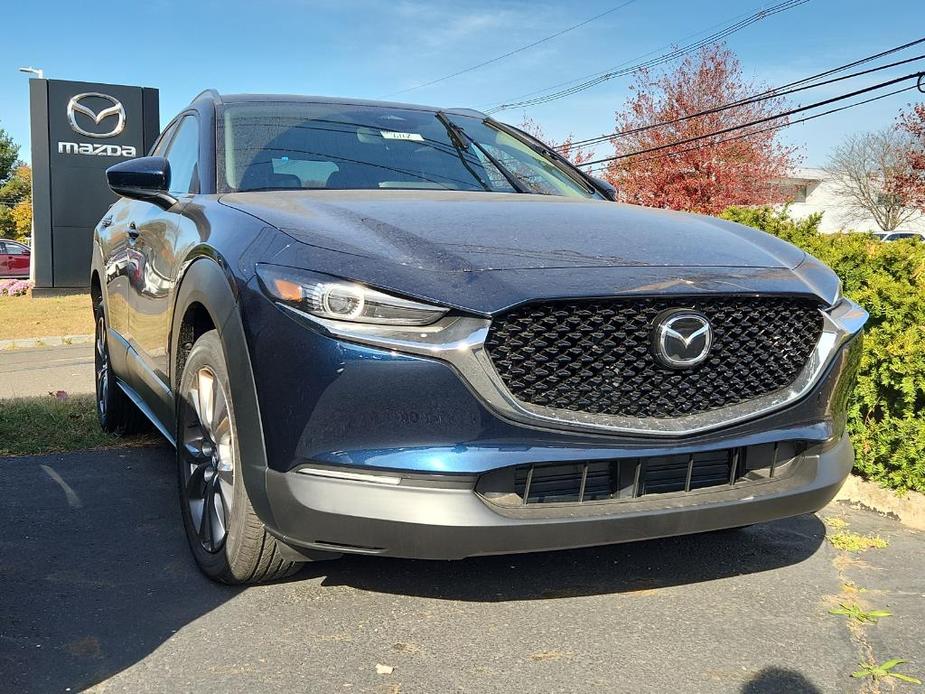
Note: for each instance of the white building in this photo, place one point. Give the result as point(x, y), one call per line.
point(812, 190)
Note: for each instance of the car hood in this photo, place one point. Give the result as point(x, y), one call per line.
point(471, 232)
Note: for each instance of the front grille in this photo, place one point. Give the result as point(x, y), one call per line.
point(632, 478)
point(595, 356)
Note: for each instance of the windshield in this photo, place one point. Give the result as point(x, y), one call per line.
point(300, 145)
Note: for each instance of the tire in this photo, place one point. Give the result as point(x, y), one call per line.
point(116, 413)
point(228, 540)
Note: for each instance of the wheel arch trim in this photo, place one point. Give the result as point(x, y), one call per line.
point(98, 269)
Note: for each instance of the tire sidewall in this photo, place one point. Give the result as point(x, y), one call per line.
point(107, 422)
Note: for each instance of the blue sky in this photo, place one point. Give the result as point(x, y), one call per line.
point(372, 49)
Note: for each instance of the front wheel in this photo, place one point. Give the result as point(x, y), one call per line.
point(227, 538)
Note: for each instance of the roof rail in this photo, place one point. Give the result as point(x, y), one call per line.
point(209, 94)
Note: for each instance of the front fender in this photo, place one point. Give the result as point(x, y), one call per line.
point(206, 283)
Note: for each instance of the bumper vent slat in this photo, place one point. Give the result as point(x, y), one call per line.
point(601, 480)
point(595, 356)
point(629, 478)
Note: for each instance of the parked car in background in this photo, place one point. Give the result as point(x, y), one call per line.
point(898, 235)
point(407, 331)
point(14, 259)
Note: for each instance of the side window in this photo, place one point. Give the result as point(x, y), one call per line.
point(161, 145)
point(183, 156)
point(14, 249)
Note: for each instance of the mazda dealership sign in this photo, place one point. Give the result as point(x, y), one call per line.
point(115, 114)
point(80, 129)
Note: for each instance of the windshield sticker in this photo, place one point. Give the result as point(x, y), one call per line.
point(393, 135)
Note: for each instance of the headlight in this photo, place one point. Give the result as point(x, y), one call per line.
point(334, 299)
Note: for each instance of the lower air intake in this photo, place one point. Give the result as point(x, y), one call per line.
point(632, 478)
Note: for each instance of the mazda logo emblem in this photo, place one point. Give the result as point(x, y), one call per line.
point(117, 110)
point(681, 338)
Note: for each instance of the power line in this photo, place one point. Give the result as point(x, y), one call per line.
point(763, 96)
point(628, 62)
point(673, 54)
point(780, 126)
point(859, 61)
point(513, 52)
point(766, 119)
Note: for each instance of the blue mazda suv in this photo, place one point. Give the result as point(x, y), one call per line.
point(396, 330)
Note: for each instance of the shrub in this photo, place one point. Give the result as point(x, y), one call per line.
point(15, 287)
point(887, 409)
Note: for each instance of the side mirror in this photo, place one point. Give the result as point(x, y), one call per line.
point(606, 189)
point(145, 178)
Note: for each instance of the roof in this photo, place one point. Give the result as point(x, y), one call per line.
point(217, 98)
point(807, 174)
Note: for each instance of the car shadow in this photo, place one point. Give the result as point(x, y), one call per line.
point(94, 566)
point(623, 568)
point(96, 573)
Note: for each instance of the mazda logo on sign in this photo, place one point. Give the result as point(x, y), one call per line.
point(681, 339)
point(117, 111)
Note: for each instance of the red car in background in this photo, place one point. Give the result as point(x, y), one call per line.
point(14, 259)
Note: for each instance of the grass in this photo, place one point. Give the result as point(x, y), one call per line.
point(884, 670)
point(30, 426)
point(25, 316)
point(853, 611)
point(853, 542)
point(836, 523)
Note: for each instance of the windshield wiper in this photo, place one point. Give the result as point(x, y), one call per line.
point(459, 137)
point(461, 147)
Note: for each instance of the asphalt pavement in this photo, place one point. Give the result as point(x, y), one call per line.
point(39, 371)
point(99, 590)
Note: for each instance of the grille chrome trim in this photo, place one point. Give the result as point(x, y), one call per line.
point(460, 341)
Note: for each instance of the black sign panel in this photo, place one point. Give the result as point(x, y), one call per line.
point(79, 129)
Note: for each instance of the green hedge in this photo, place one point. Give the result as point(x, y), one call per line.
point(887, 410)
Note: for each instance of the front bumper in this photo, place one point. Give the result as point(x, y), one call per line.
point(445, 518)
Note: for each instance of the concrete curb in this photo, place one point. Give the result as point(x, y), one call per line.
point(50, 341)
point(908, 509)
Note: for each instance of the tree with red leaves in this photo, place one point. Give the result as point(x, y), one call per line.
point(909, 182)
point(576, 155)
point(709, 175)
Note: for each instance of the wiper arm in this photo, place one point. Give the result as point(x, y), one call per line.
point(460, 137)
point(461, 147)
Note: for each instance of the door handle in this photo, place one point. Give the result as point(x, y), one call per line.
point(132, 231)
